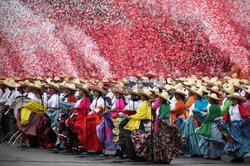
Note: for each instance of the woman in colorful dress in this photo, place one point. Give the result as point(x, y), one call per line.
point(108, 129)
point(97, 107)
point(180, 108)
point(126, 146)
point(164, 143)
point(236, 123)
point(211, 143)
point(30, 115)
point(82, 110)
point(141, 121)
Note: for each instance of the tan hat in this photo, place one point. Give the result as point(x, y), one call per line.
point(36, 85)
point(192, 89)
point(204, 89)
point(57, 79)
point(83, 87)
point(163, 95)
point(215, 89)
point(198, 92)
point(76, 81)
point(180, 92)
point(213, 96)
point(70, 86)
point(156, 90)
point(98, 88)
point(229, 90)
point(54, 86)
point(236, 96)
point(119, 89)
point(133, 92)
point(178, 86)
point(167, 87)
point(213, 81)
point(145, 92)
point(26, 83)
point(247, 89)
point(10, 83)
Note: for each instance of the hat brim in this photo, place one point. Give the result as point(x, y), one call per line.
point(145, 94)
point(54, 87)
point(83, 88)
point(98, 89)
point(211, 97)
point(132, 92)
point(236, 97)
point(114, 90)
point(163, 97)
point(179, 93)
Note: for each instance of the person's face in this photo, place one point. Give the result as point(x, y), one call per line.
point(196, 97)
point(68, 90)
point(247, 96)
point(53, 91)
point(190, 93)
point(211, 101)
point(177, 96)
point(143, 97)
point(235, 101)
point(96, 93)
point(118, 95)
point(160, 100)
point(82, 93)
point(154, 95)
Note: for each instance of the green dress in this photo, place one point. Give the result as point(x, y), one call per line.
point(214, 112)
point(165, 112)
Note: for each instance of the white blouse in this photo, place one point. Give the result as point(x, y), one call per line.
point(98, 103)
point(234, 113)
point(53, 101)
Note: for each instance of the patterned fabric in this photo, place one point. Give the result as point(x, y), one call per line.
point(187, 127)
point(199, 116)
point(238, 144)
point(116, 122)
point(162, 146)
point(105, 133)
point(213, 145)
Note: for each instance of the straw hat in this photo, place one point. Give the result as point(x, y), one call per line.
point(192, 89)
point(236, 96)
point(26, 83)
point(229, 90)
point(54, 86)
point(10, 83)
point(204, 89)
point(133, 92)
point(213, 96)
point(119, 90)
point(57, 79)
point(76, 81)
point(83, 87)
point(215, 89)
point(163, 95)
point(198, 92)
point(145, 92)
point(167, 87)
point(36, 85)
point(180, 92)
point(155, 89)
point(97, 88)
point(178, 86)
point(213, 81)
point(247, 89)
point(70, 86)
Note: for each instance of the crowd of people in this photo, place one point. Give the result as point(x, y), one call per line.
point(140, 117)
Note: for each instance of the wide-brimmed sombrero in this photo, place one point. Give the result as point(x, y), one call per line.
point(163, 95)
point(213, 96)
point(236, 96)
